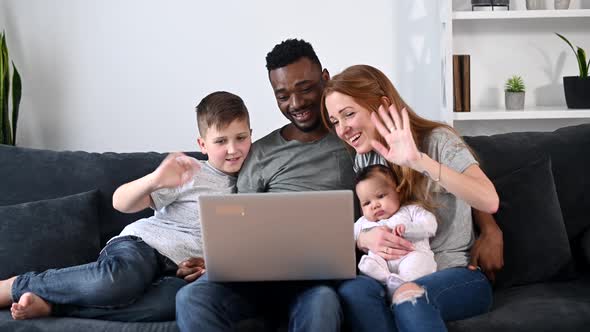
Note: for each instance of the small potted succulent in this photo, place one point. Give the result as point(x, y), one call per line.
point(577, 88)
point(514, 93)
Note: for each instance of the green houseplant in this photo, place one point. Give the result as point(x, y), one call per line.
point(577, 88)
point(9, 95)
point(514, 93)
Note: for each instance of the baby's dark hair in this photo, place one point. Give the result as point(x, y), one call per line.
point(219, 109)
point(372, 170)
point(288, 52)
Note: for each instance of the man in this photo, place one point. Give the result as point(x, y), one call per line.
point(300, 156)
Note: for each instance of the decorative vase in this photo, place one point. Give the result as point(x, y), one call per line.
point(562, 4)
point(577, 91)
point(535, 4)
point(514, 100)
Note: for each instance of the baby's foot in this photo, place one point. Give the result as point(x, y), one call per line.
point(5, 292)
point(393, 282)
point(374, 268)
point(30, 306)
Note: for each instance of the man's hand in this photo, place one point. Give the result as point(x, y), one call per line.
point(487, 253)
point(191, 269)
point(381, 241)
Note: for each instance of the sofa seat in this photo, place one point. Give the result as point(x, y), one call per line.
point(65, 324)
point(555, 306)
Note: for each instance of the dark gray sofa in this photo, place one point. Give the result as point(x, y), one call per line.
point(542, 179)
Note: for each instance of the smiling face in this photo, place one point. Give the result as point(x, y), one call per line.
point(227, 147)
point(378, 197)
point(298, 90)
point(351, 121)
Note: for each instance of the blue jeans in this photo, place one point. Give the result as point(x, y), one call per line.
point(211, 306)
point(128, 282)
point(451, 294)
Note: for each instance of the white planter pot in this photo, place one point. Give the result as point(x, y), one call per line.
point(535, 4)
point(514, 101)
point(562, 4)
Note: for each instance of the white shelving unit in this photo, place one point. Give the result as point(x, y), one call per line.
point(503, 43)
point(517, 14)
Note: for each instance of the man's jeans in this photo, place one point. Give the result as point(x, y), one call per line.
point(128, 282)
point(450, 294)
point(210, 306)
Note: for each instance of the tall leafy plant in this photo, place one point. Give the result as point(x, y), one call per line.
point(580, 56)
point(9, 95)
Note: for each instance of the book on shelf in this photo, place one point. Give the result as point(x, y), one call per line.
point(461, 83)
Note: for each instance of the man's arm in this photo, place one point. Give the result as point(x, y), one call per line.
point(487, 252)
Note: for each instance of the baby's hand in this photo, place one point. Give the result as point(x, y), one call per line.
point(399, 230)
point(176, 170)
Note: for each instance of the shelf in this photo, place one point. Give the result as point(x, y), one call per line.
point(517, 14)
point(531, 113)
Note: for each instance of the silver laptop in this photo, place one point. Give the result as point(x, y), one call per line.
point(279, 236)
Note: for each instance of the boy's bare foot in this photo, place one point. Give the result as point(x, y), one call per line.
point(5, 292)
point(30, 306)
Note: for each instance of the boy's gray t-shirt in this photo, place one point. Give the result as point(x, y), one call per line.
point(454, 236)
point(175, 228)
point(277, 165)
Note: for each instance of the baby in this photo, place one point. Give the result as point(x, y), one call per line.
point(380, 203)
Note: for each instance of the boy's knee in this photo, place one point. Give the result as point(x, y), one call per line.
point(408, 292)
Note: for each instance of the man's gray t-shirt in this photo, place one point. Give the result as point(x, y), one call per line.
point(454, 236)
point(277, 165)
point(175, 229)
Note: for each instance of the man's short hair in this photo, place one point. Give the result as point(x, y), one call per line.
point(219, 109)
point(289, 51)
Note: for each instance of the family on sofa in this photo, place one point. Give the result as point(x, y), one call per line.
point(431, 166)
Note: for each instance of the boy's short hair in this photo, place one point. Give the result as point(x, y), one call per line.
point(219, 109)
point(289, 51)
point(372, 170)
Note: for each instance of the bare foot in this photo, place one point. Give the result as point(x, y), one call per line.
point(30, 306)
point(5, 292)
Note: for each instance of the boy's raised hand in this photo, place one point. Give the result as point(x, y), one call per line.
point(175, 170)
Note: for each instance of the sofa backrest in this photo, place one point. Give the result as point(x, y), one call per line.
point(32, 175)
point(569, 151)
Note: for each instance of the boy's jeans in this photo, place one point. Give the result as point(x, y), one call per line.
point(128, 271)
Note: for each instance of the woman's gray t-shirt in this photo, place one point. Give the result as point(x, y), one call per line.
point(454, 236)
point(175, 228)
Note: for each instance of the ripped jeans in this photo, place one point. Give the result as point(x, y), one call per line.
point(450, 294)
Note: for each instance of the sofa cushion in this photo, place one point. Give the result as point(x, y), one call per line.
point(554, 306)
point(46, 234)
point(37, 174)
point(536, 245)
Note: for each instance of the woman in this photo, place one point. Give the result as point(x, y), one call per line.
point(434, 166)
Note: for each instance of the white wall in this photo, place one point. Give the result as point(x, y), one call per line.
point(116, 75)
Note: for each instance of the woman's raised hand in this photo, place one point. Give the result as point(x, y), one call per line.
point(401, 148)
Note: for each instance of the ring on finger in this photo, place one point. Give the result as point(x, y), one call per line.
point(391, 129)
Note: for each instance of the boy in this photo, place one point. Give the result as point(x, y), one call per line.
point(148, 248)
point(380, 203)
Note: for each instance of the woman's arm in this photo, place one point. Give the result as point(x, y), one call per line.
point(472, 186)
point(381, 241)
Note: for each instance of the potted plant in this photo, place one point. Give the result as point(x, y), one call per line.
point(514, 93)
point(577, 88)
point(9, 96)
